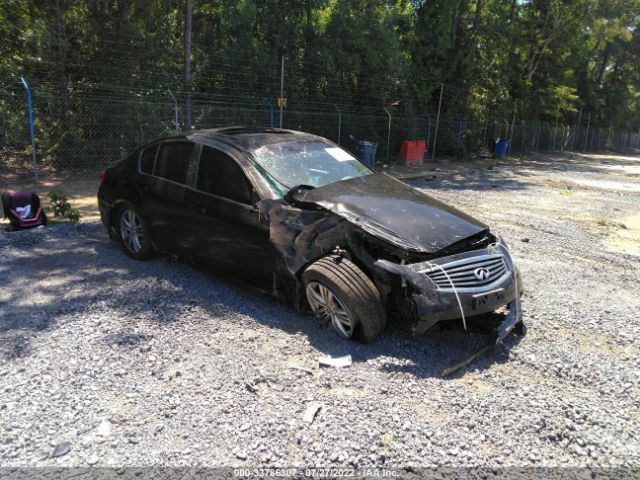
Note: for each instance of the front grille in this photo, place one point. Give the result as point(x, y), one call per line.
point(463, 272)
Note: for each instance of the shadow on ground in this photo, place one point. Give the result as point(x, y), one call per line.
point(53, 280)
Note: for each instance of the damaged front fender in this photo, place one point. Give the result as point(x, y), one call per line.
point(301, 235)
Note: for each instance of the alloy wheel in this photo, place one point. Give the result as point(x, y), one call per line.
point(131, 231)
point(328, 307)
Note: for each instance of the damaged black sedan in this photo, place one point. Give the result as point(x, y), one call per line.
point(299, 216)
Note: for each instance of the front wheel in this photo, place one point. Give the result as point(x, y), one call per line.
point(341, 294)
point(133, 234)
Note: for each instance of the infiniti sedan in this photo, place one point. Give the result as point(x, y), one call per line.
point(301, 217)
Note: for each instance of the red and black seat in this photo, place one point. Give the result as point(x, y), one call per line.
point(12, 201)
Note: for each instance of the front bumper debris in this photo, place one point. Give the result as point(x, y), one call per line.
point(512, 322)
point(435, 302)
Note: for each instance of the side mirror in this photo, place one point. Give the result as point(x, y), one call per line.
point(297, 194)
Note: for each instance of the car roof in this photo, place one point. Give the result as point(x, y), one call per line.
point(251, 138)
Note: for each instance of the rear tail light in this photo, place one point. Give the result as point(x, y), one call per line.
point(102, 174)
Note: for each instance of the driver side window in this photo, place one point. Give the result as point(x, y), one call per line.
point(220, 175)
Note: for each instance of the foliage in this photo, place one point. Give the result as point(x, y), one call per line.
point(59, 205)
point(567, 58)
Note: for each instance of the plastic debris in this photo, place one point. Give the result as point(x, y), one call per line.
point(61, 449)
point(338, 362)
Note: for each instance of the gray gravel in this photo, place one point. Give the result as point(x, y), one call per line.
point(107, 361)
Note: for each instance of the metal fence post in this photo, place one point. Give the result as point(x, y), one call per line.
point(586, 136)
point(270, 107)
point(575, 132)
point(513, 124)
point(484, 135)
point(435, 134)
point(555, 130)
point(626, 135)
point(175, 110)
point(388, 131)
point(31, 131)
point(538, 132)
point(428, 132)
point(608, 140)
point(281, 99)
point(339, 121)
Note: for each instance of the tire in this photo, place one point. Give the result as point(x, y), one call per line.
point(132, 233)
point(339, 292)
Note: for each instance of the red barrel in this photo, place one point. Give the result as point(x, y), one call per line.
point(412, 152)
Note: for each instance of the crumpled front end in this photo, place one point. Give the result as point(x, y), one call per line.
point(461, 286)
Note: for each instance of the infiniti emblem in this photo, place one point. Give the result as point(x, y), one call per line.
point(481, 273)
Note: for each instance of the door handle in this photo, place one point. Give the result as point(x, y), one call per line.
point(200, 209)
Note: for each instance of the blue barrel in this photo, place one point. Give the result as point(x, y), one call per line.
point(501, 148)
point(366, 152)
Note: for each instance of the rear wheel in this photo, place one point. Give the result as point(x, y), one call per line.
point(341, 294)
point(133, 233)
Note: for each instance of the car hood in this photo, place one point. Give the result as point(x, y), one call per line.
point(396, 212)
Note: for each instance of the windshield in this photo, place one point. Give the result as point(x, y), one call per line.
point(312, 163)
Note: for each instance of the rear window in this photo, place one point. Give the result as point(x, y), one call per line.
point(172, 161)
point(148, 158)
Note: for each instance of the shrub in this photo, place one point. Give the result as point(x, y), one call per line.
point(460, 151)
point(60, 206)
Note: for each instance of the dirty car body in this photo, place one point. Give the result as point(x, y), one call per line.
point(270, 204)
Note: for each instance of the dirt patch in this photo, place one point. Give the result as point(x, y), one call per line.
point(625, 236)
point(607, 185)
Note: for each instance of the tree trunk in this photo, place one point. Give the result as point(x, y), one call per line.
point(512, 28)
point(61, 46)
point(187, 65)
point(603, 65)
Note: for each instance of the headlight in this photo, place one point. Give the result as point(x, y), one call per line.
point(501, 241)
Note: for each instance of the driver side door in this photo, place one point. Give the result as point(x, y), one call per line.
point(230, 232)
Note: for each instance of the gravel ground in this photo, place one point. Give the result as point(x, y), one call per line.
point(160, 363)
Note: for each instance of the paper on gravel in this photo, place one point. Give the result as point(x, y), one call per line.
point(338, 362)
point(311, 411)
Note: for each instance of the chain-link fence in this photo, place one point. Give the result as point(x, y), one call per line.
point(88, 129)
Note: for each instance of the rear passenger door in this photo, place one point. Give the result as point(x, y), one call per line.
point(164, 193)
point(231, 232)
